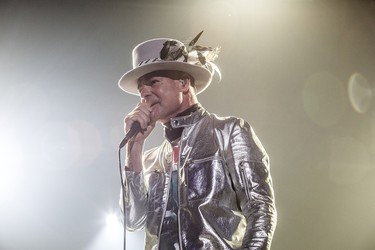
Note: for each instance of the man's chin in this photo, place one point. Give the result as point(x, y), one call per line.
point(159, 119)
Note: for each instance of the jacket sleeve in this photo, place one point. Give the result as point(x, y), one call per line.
point(135, 200)
point(248, 164)
point(136, 191)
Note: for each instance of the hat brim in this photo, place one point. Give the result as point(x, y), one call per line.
point(128, 82)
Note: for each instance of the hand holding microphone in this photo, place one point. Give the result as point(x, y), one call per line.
point(134, 130)
point(138, 124)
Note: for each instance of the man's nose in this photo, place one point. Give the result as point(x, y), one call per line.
point(145, 92)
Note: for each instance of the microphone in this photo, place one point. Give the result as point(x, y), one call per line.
point(135, 129)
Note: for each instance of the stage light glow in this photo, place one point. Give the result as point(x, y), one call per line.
point(4, 170)
point(61, 112)
point(111, 235)
point(6, 156)
point(113, 221)
point(10, 163)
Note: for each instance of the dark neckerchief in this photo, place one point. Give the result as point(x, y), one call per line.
point(170, 133)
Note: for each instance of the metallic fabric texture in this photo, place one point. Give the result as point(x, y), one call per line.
point(226, 198)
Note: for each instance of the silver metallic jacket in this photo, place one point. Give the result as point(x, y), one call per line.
point(226, 198)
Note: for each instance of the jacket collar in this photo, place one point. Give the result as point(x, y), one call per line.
point(184, 121)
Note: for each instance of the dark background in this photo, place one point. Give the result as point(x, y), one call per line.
point(301, 72)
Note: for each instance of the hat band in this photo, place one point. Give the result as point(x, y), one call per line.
point(152, 60)
point(149, 61)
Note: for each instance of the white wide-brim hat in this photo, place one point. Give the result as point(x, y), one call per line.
point(170, 54)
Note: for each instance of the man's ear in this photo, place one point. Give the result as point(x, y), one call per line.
point(185, 84)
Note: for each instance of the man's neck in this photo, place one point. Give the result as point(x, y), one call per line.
point(172, 134)
point(189, 110)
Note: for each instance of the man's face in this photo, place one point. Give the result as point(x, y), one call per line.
point(163, 95)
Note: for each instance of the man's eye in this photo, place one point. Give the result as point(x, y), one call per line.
point(152, 82)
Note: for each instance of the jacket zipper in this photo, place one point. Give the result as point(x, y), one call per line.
point(168, 184)
point(179, 195)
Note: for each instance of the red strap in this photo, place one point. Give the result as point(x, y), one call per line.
point(176, 150)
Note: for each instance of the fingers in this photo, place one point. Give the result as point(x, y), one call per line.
point(141, 113)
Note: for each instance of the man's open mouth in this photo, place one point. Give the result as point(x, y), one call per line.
point(153, 104)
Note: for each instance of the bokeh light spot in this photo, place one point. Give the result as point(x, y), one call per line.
point(65, 144)
point(59, 145)
point(90, 142)
point(360, 93)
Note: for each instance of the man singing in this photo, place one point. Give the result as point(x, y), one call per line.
point(208, 185)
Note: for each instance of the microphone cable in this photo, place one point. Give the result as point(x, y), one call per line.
point(135, 129)
point(122, 196)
